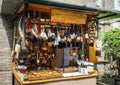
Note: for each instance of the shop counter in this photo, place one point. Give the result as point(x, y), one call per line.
point(89, 79)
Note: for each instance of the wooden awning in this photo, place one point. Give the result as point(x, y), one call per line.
point(59, 14)
point(68, 6)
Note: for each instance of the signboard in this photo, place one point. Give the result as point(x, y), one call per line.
point(117, 5)
point(65, 16)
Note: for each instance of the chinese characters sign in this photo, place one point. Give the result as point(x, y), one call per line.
point(65, 16)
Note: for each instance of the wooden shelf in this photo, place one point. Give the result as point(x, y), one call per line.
point(37, 21)
point(40, 8)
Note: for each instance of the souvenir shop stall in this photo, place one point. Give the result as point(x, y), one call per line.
point(54, 45)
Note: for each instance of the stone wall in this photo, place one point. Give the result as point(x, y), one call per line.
point(88, 3)
point(6, 27)
point(105, 4)
point(108, 4)
point(5, 48)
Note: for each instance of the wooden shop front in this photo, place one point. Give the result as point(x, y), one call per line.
point(54, 45)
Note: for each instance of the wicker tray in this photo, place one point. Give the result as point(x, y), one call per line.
point(45, 74)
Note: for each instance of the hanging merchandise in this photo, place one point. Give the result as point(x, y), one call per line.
point(79, 37)
point(20, 28)
point(72, 36)
point(23, 43)
point(68, 39)
point(34, 28)
point(57, 39)
point(51, 36)
point(39, 23)
point(86, 35)
point(58, 36)
point(38, 61)
point(28, 24)
point(62, 42)
point(17, 46)
point(50, 33)
point(44, 46)
point(43, 35)
point(34, 31)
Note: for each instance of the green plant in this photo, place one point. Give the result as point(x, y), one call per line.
point(106, 79)
point(111, 45)
point(81, 52)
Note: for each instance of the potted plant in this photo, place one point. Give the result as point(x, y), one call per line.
point(81, 53)
point(111, 48)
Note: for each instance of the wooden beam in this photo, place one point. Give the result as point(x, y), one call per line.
point(36, 7)
point(21, 9)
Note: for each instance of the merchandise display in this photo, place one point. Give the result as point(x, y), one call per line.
point(46, 47)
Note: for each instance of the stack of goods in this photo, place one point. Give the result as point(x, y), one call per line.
point(44, 74)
